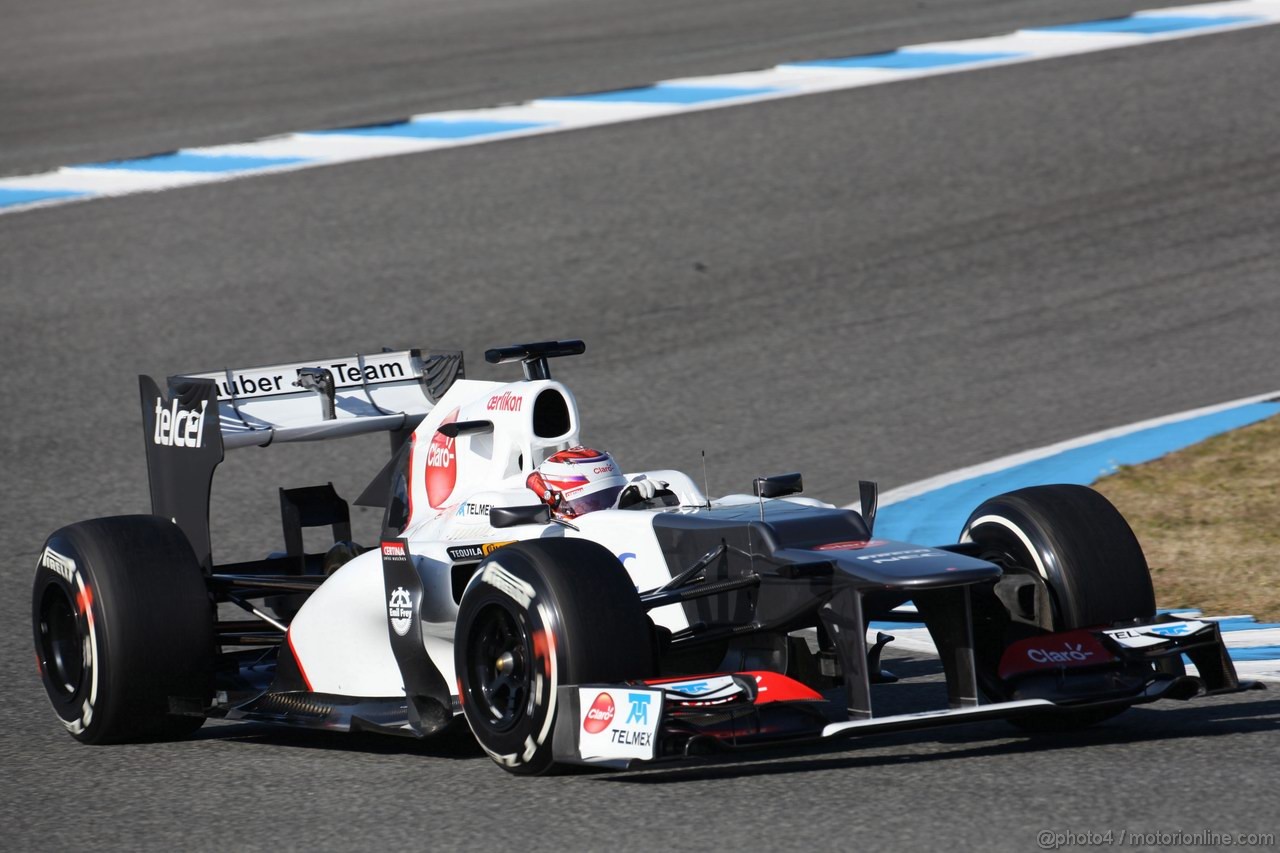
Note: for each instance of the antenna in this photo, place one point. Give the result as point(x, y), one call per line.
point(706, 484)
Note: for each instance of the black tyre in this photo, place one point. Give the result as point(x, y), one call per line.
point(1076, 542)
point(124, 630)
point(538, 614)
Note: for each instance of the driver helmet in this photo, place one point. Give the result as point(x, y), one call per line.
point(577, 481)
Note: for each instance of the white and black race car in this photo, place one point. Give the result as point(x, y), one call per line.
point(667, 626)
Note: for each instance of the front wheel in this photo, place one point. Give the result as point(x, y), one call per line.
point(536, 615)
point(1075, 545)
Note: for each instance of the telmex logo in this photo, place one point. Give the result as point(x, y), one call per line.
point(505, 402)
point(392, 549)
point(599, 715)
point(177, 427)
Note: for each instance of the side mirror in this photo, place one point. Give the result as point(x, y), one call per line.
point(514, 516)
point(778, 486)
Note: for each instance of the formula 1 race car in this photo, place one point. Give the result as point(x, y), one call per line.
point(663, 626)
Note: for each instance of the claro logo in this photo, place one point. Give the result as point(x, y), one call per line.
point(1070, 652)
point(177, 427)
point(442, 465)
point(599, 715)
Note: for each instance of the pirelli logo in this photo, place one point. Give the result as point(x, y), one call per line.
point(55, 562)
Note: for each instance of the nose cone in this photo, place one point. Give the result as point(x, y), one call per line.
point(885, 563)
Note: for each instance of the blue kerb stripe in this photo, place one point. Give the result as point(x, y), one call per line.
point(665, 94)
point(1147, 24)
point(936, 517)
point(904, 59)
point(10, 197)
point(1245, 624)
point(433, 128)
point(185, 162)
point(1255, 653)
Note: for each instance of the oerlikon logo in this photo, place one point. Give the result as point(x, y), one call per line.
point(599, 715)
point(442, 465)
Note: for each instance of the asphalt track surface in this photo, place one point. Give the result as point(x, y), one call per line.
point(883, 283)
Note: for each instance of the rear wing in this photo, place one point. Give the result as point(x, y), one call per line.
point(188, 427)
point(329, 398)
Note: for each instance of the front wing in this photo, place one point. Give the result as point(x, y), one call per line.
point(636, 723)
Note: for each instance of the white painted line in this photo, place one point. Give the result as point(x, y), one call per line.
point(996, 465)
point(111, 181)
point(1040, 44)
point(1257, 670)
point(784, 81)
point(327, 147)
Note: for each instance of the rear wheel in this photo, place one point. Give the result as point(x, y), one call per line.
point(1072, 541)
point(123, 629)
point(539, 614)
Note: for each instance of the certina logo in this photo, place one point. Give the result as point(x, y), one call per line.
point(400, 610)
point(1070, 652)
point(505, 402)
point(177, 427)
point(599, 715)
point(392, 549)
point(55, 562)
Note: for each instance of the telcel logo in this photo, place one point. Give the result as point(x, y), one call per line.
point(177, 427)
point(1068, 654)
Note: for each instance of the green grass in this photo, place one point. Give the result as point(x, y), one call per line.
point(1208, 518)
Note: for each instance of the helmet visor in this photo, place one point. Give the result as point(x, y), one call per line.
point(602, 499)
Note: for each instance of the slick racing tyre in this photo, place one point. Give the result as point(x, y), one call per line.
point(124, 630)
point(1077, 542)
point(1080, 546)
point(536, 615)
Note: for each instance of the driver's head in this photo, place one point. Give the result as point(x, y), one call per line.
point(577, 481)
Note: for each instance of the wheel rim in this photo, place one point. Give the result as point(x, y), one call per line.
point(61, 646)
point(499, 655)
